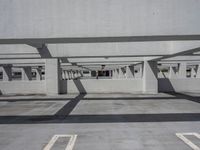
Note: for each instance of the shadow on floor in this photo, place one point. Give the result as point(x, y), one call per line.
point(118, 118)
point(68, 108)
point(173, 96)
point(64, 116)
point(185, 96)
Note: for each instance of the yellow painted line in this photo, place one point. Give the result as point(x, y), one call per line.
point(70, 144)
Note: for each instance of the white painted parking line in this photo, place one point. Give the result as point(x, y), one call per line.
point(188, 142)
point(69, 146)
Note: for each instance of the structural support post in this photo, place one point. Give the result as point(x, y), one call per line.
point(26, 73)
point(114, 74)
point(172, 73)
point(117, 73)
point(121, 74)
point(7, 73)
point(198, 72)
point(63, 75)
point(129, 71)
point(150, 82)
point(52, 76)
point(66, 75)
point(70, 75)
point(193, 72)
point(38, 74)
point(182, 70)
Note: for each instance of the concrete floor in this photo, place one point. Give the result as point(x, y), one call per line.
point(101, 121)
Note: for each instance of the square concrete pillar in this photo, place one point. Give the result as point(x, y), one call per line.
point(81, 73)
point(114, 74)
point(182, 70)
point(120, 73)
point(138, 73)
point(75, 74)
point(70, 75)
point(38, 74)
point(66, 75)
point(129, 71)
point(198, 72)
point(52, 76)
point(63, 75)
point(150, 81)
point(193, 72)
point(26, 73)
point(7, 73)
point(172, 73)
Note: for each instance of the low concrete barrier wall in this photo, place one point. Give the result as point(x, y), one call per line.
point(179, 85)
point(22, 87)
point(102, 86)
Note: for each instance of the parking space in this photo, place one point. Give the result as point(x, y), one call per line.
point(100, 121)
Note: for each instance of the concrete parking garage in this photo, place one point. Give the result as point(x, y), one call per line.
point(90, 74)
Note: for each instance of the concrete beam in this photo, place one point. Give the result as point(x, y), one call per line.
point(22, 61)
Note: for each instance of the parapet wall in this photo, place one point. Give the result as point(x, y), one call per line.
point(179, 85)
point(100, 86)
point(22, 87)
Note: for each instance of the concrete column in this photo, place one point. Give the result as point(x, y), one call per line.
point(113, 74)
point(7, 73)
point(198, 72)
point(52, 76)
point(160, 74)
point(63, 75)
point(70, 75)
point(121, 74)
point(193, 72)
point(139, 72)
point(182, 70)
point(116, 73)
point(129, 71)
point(38, 74)
point(26, 73)
point(66, 75)
point(81, 73)
point(73, 75)
point(150, 82)
point(76, 74)
point(172, 73)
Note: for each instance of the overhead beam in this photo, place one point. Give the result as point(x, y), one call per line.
point(37, 42)
point(22, 61)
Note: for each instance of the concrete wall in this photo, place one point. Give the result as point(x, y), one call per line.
point(102, 86)
point(99, 86)
point(179, 85)
point(22, 87)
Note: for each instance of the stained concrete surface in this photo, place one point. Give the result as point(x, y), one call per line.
point(101, 121)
